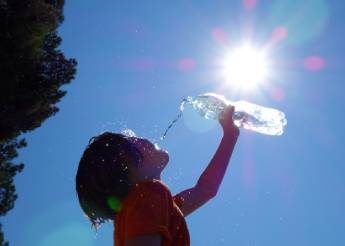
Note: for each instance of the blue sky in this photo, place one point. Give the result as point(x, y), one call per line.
point(138, 59)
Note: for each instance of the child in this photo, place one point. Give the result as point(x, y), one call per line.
point(118, 178)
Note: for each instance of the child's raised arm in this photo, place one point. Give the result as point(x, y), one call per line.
point(210, 180)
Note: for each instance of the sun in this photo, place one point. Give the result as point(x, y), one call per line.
point(245, 67)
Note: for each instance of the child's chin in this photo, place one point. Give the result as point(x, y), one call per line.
point(164, 158)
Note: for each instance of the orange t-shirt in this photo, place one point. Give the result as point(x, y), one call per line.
point(150, 208)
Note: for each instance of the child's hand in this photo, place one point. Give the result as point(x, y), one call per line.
point(227, 123)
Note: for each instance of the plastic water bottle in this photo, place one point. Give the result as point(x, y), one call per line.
point(247, 115)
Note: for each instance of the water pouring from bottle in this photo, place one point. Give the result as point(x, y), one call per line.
point(247, 115)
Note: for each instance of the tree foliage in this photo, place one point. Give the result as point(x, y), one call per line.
point(32, 70)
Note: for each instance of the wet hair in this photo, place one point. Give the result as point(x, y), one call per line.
point(102, 179)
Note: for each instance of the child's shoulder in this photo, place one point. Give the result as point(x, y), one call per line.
point(154, 185)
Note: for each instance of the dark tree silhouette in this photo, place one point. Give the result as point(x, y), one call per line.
point(32, 70)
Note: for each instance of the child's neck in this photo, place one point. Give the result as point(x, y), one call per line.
point(139, 179)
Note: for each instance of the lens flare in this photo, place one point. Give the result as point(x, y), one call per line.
point(219, 35)
point(249, 4)
point(186, 64)
point(279, 34)
point(305, 20)
point(314, 63)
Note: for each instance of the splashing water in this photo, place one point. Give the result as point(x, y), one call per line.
point(183, 102)
point(128, 132)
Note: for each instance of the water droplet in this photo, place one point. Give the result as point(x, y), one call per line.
point(128, 133)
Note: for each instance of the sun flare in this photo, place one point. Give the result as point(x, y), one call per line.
point(245, 67)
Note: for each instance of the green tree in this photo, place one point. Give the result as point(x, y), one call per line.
point(32, 70)
point(8, 170)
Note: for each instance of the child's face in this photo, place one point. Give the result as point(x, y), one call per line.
point(154, 159)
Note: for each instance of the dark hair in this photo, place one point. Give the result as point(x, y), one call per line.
point(102, 179)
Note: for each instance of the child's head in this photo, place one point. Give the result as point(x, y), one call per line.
point(110, 165)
